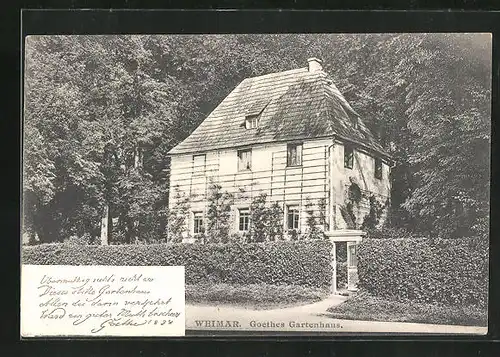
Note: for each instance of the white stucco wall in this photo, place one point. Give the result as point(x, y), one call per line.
point(362, 174)
point(322, 163)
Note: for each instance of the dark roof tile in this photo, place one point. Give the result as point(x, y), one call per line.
point(292, 105)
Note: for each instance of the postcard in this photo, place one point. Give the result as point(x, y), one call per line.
point(256, 184)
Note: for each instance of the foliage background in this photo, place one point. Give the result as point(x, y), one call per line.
point(101, 112)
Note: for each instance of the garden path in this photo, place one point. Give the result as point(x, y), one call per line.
point(302, 318)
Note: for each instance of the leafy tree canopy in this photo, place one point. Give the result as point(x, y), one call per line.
point(101, 112)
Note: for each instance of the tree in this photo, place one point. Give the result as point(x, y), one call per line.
point(101, 112)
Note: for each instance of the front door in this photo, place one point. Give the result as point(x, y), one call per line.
point(352, 266)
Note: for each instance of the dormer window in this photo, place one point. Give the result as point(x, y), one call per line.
point(253, 113)
point(252, 121)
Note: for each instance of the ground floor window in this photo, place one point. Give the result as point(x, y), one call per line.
point(198, 222)
point(293, 217)
point(244, 219)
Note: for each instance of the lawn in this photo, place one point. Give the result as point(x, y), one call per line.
point(363, 306)
point(254, 296)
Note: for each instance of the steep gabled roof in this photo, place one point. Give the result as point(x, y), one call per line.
point(292, 105)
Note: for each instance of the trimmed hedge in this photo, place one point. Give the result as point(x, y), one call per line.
point(305, 263)
point(448, 271)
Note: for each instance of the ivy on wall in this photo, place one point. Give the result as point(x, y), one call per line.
point(177, 217)
point(313, 230)
point(354, 196)
point(218, 214)
point(372, 219)
point(266, 222)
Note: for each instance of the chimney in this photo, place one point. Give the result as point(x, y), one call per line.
point(314, 64)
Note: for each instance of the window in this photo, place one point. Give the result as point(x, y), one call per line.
point(378, 168)
point(254, 112)
point(244, 219)
point(198, 223)
point(252, 121)
point(348, 156)
point(244, 160)
point(199, 164)
point(293, 217)
point(294, 155)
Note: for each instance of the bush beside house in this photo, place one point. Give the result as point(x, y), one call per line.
point(278, 263)
point(446, 271)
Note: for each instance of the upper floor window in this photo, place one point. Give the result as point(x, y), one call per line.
point(252, 121)
point(198, 223)
point(293, 217)
point(199, 164)
point(244, 159)
point(244, 219)
point(378, 168)
point(294, 155)
point(348, 156)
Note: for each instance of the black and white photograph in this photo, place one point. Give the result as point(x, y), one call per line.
point(306, 182)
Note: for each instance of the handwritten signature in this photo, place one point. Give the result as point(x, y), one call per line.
point(115, 322)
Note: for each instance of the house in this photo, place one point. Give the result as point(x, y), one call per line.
point(293, 136)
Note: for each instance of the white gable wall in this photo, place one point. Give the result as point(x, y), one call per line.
point(363, 174)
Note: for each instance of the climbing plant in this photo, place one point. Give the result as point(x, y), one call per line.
point(218, 214)
point(353, 198)
point(266, 222)
point(313, 231)
point(372, 219)
point(322, 213)
point(177, 216)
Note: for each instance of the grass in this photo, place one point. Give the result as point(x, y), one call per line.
point(363, 306)
point(254, 296)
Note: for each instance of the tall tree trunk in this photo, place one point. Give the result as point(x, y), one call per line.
point(137, 157)
point(105, 226)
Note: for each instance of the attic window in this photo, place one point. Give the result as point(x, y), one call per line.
point(252, 121)
point(253, 113)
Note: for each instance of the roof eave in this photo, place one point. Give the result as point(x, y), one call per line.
point(384, 154)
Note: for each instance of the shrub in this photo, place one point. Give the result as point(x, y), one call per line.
point(177, 217)
point(218, 214)
point(290, 263)
point(391, 233)
point(313, 231)
point(341, 275)
point(448, 271)
point(266, 221)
